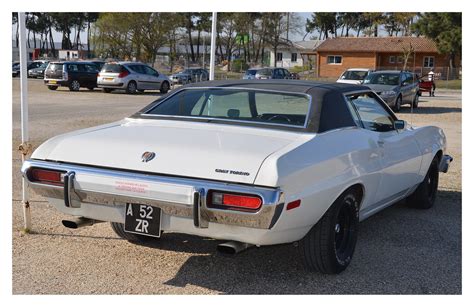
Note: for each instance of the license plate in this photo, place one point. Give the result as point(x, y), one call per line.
point(52, 82)
point(143, 219)
point(109, 79)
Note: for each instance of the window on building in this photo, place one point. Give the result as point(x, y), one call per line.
point(399, 59)
point(428, 61)
point(392, 59)
point(279, 56)
point(334, 59)
point(294, 57)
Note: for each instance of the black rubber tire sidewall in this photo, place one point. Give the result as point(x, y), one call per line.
point(421, 199)
point(52, 88)
point(107, 90)
point(118, 228)
point(398, 104)
point(164, 89)
point(318, 247)
point(130, 90)
point(415, 101)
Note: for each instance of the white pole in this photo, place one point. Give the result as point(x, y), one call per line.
point(213, 46)
point(25, 146)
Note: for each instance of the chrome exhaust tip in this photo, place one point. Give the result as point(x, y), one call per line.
point(232, 247)
point(78, 222)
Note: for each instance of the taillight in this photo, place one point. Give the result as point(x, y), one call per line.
point(123, 74)
point(46, 176)
point(234, 201)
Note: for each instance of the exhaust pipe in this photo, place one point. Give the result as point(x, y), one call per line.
point(232, 247)
point(79, 222)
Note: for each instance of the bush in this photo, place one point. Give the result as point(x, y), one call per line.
point(238, 65)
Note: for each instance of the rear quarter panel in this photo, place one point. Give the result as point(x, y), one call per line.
point(430, 139)
point(318, 171)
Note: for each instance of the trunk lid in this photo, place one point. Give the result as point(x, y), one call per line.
point(188, 149)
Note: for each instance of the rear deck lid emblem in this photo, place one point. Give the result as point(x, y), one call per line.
point(148, 156)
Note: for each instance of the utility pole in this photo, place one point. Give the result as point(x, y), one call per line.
point(213, 46)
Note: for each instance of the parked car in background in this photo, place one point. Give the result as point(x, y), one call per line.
point(132, 77)
point(38, 72)
point(73, 75)
point(396, 87)
point(98, 63)
point(15, 69)
point(30, 65)
point(255, 163)
point(354, 75)
point(190, 75)
point(250, 74)
point(275, 73)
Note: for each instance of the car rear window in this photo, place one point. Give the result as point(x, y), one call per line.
point(249, 105)
point(114, 68)
point(354, 75)
point(383, 78)
point(55, 67)
point(251, 72)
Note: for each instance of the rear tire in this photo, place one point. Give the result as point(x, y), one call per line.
point(74, 86)
point(131, 87)
point(424, 196)
point(329, 246)
point(415, 101)
point(107, 90)
point(165, 87)
point(118, 228)
point(52, 88)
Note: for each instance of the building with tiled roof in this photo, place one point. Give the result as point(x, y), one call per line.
point(334, 56)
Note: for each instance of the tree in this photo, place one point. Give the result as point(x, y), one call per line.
point(324, 23)
point(445, 29)
point(90, 18)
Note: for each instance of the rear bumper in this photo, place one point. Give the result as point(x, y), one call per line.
point(56, 82)
point(110, 85)
point(101, 194)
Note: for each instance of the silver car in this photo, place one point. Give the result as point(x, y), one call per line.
point(132, 77)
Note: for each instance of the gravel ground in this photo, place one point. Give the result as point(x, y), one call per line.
point(399, 250)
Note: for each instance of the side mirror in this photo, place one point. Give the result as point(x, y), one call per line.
point(399, 124)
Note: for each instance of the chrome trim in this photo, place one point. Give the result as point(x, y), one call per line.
point(68, 188)
point(264, 218)
point(310, 103)
point(444, 163)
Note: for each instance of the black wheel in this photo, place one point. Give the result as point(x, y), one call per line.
point(424, 196)
point(53, 88)
point(398, 104)
point(74, 86)
point(165, 87)
point(415, 101)
point(131, 87)
point(329, 246)
point(107, 90)
point(119, 230)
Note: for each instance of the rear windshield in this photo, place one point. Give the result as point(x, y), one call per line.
point(55, 67)
point(235, 105)
point(354, 75)
point(382, 79)
point(115, 68)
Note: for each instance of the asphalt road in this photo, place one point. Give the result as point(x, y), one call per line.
point(399, 250)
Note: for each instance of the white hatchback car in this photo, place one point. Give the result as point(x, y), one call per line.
point(354, 75)
point(132, 77)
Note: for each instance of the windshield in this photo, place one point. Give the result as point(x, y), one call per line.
point(248, 105)
point(354, 75)
point(251, 72)
point(383, 79)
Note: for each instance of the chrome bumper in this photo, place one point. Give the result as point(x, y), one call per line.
point(175, 196)
point(444, 163)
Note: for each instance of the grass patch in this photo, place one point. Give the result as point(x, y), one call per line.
point(451, 84)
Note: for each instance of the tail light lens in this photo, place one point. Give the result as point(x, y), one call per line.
point(46, 176)
point(123, 74)
point(234, 201)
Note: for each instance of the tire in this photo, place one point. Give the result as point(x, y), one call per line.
point(118, 228)
point(131, 87)
point(165, 87)
point(52, 88)
point(424, 196)
point(74, 86)
point(415, 101)
point(107, 90)
point(398, 104)
point(329, 246)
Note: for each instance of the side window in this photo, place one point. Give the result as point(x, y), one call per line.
point(409, 78)
point(91, 68)
point(373, 116)
point(73, 68)
point(137, 69)
point(403, 78)
point(150, 71)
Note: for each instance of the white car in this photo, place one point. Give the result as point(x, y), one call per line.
point(354, 75)
point(132, 77)
point(255, 163)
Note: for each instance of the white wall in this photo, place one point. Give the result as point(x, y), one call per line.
point(286, 59)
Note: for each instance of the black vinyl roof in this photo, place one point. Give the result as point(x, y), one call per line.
point(329, 109)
